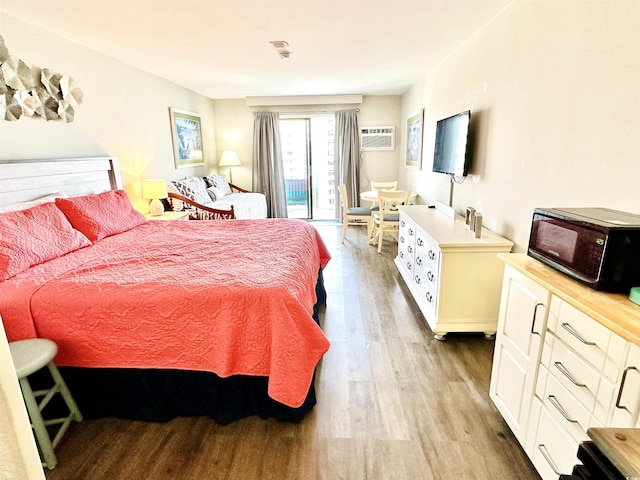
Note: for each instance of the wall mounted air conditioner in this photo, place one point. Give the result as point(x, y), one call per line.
point(377, 138)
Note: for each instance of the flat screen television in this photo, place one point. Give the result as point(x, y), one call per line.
point(450, 154)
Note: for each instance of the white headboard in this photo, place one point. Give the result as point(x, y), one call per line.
point(23, 180)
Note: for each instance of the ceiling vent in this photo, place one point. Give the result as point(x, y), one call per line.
point(377, 138)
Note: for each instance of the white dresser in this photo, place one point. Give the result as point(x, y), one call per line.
point(566, 359)
point(454, 277)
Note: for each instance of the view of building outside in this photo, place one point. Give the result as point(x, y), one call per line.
point(307, 144)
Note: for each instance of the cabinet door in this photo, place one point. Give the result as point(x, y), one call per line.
point(521, 326)
point(627, 407)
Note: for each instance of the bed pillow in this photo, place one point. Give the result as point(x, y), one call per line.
point(32, 203)
point(102, 215)
point(193, 188)
point(220, 182)
point(35, 235)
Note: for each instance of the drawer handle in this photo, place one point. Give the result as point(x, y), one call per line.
point(401, 254)
point(547, 457)
point(411, 232)
point(430, 276)
point(418, 280)
point(570, 329)
point(432, 255)
point(420, 242)
point(410, 249)
point(622, 382)
point(418, 261)
point(402, 239)
point(566, 373)
point(554, 402)
point(402, 223)
point(429, 297)
point(533, 320)
point(409, 266)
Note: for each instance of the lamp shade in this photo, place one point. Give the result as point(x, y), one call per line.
point(229, 159)
point(154, 189)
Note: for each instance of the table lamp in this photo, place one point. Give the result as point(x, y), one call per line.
point(154, 189)
point(229, 159)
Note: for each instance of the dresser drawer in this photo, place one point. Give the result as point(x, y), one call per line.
point(406, 240)
point(592, 341)
point(585, 383)
point(567, 410)
point(553, 451)
point(426, 271)
point(406, 259)
point(431, 251)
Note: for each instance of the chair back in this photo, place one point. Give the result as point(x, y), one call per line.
point(389, 201)
point(343, 199)
point(384, 185)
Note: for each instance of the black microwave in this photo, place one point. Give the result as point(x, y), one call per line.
point(599, 247)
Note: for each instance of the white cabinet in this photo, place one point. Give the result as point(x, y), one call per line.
point(627, 405)
point(454, 277)
point(578, 369)
point(554, 381)
point(521, 326)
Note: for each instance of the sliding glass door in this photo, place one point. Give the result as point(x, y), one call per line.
point(307, 150)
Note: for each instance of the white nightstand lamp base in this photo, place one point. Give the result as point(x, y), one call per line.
point(156, 208)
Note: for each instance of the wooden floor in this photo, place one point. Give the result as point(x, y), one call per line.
point(393, 403)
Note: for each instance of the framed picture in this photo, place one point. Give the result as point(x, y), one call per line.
point(413, 158)
point(187, 138)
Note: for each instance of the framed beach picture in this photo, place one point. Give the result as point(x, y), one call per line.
point(413, 157)
point(187, 138)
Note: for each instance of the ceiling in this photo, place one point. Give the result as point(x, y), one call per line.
point(222, 49)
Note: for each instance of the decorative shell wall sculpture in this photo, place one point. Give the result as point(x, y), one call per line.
point(10, 109)
point(17, 74)
point(53, 96)
point(29, 103)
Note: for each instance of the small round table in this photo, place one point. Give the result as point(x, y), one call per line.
point(372, 196)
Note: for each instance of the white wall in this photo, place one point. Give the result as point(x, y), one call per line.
point(234, 131)
point(125, 112)
point(553, 89)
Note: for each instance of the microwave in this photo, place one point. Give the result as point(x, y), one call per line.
point(599, 247)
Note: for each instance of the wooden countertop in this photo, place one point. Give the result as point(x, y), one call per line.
point(621, 446)
point(613, 310)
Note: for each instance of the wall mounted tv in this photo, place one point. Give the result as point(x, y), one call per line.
point(451, 154)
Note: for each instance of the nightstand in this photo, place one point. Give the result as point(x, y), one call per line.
point(168, 216)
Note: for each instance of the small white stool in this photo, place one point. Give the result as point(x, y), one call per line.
point(29, 356)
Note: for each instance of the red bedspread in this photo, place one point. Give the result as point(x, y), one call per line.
point(232, 297)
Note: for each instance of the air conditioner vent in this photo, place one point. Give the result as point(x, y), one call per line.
point(377, 138)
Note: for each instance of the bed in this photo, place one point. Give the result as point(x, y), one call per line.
point(166, 319)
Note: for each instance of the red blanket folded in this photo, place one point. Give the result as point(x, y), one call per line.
point(232, 297)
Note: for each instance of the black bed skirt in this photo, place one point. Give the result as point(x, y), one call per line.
point(157, 395)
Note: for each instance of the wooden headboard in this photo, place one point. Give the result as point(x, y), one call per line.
point(23, 180)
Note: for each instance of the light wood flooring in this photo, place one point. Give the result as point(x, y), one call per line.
point(393, 403)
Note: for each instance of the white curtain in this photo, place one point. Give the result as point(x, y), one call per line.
point(347, 153)
point(268, 172)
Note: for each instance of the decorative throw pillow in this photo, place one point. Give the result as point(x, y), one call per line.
point(102, 215)
point(178, 205)
point(212, 193)
point(35, 235)
point(193, 188)
point(220, 182)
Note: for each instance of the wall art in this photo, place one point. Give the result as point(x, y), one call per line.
point(187, 138)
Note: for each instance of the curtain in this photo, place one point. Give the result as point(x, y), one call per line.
point(268, 172)
point(347, 153)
